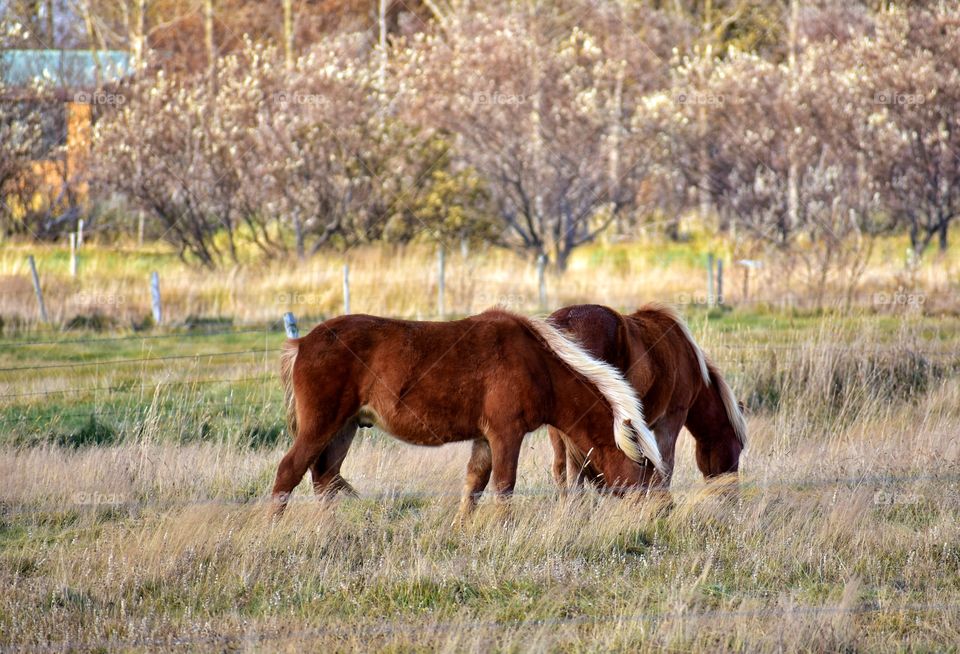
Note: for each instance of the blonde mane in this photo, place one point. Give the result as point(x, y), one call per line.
point(710, 373)
point(630, 431)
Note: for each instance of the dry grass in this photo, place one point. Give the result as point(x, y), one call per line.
point(845, 534)
point(141, 528)
point(403, 282)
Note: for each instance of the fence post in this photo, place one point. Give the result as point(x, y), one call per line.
point(36, 287)
point(710, 280)
point(746, 282)
point(441, 281)
point(346, 289)
point(74, 238)
point(140, 229)
point(155, 297)
point(719, 281)
point(290, 325)
point(80, 233)
point(541, 282)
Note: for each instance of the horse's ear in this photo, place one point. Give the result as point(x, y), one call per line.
point(741, 406)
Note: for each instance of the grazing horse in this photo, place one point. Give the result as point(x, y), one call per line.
point(677, 384)
point(490, 378)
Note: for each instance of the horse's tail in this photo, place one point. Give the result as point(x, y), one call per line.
point(730, 404)
point(630, 431)
point(287, 358)
point(710, 373)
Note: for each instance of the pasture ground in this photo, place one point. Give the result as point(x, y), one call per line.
point(132, 464)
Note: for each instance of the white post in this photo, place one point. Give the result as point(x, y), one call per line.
point(36, 288)
point(441, 272)
point(346, 289)
point(140, 229)
point(74, 240)
point(80, 233)
point(290, 325)
point(155, 297)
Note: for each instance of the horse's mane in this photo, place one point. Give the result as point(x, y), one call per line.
point(711, 374)
point(630, 430)
point(730, 404)
point(670, 313)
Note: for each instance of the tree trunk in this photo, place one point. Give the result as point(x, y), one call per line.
point(298, 235)
point(210, 44)
point(51, 26)
point(92, 37)
point(138, 35)
point(942, 233)
point(288, 33)
point(915, 238)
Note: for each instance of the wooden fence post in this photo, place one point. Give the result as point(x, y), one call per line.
point(36, 288)
point(441, 281)
point(290, 325)
point(155, 297)
point(346, 289)
point(746, 282)
point(710, 280)
point(541, 282)
point(719, 281)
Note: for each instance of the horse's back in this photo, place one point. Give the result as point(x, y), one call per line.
point(598, 329)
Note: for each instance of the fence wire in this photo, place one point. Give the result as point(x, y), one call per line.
point(107, 499)
point(421, 627)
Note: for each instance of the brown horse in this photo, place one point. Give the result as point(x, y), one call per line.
point(490, 378)
point(678, 385)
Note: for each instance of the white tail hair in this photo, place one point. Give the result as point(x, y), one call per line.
point(630, 431)
point(288, 357)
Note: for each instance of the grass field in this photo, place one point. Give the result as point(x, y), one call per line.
point(133, 462)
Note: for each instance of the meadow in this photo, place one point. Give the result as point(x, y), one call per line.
point(134, 459)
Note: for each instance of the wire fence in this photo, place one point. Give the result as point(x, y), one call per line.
point(945, 487)
point(383, 628)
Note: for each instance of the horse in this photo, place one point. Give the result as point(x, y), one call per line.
point(490, 379)
point(678, 386)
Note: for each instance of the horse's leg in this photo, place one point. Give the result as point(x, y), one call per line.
point(505, 455)
point(478, 474)
point(559, 457)
point(325, 470)
point(666, 429)
point(314, 433)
